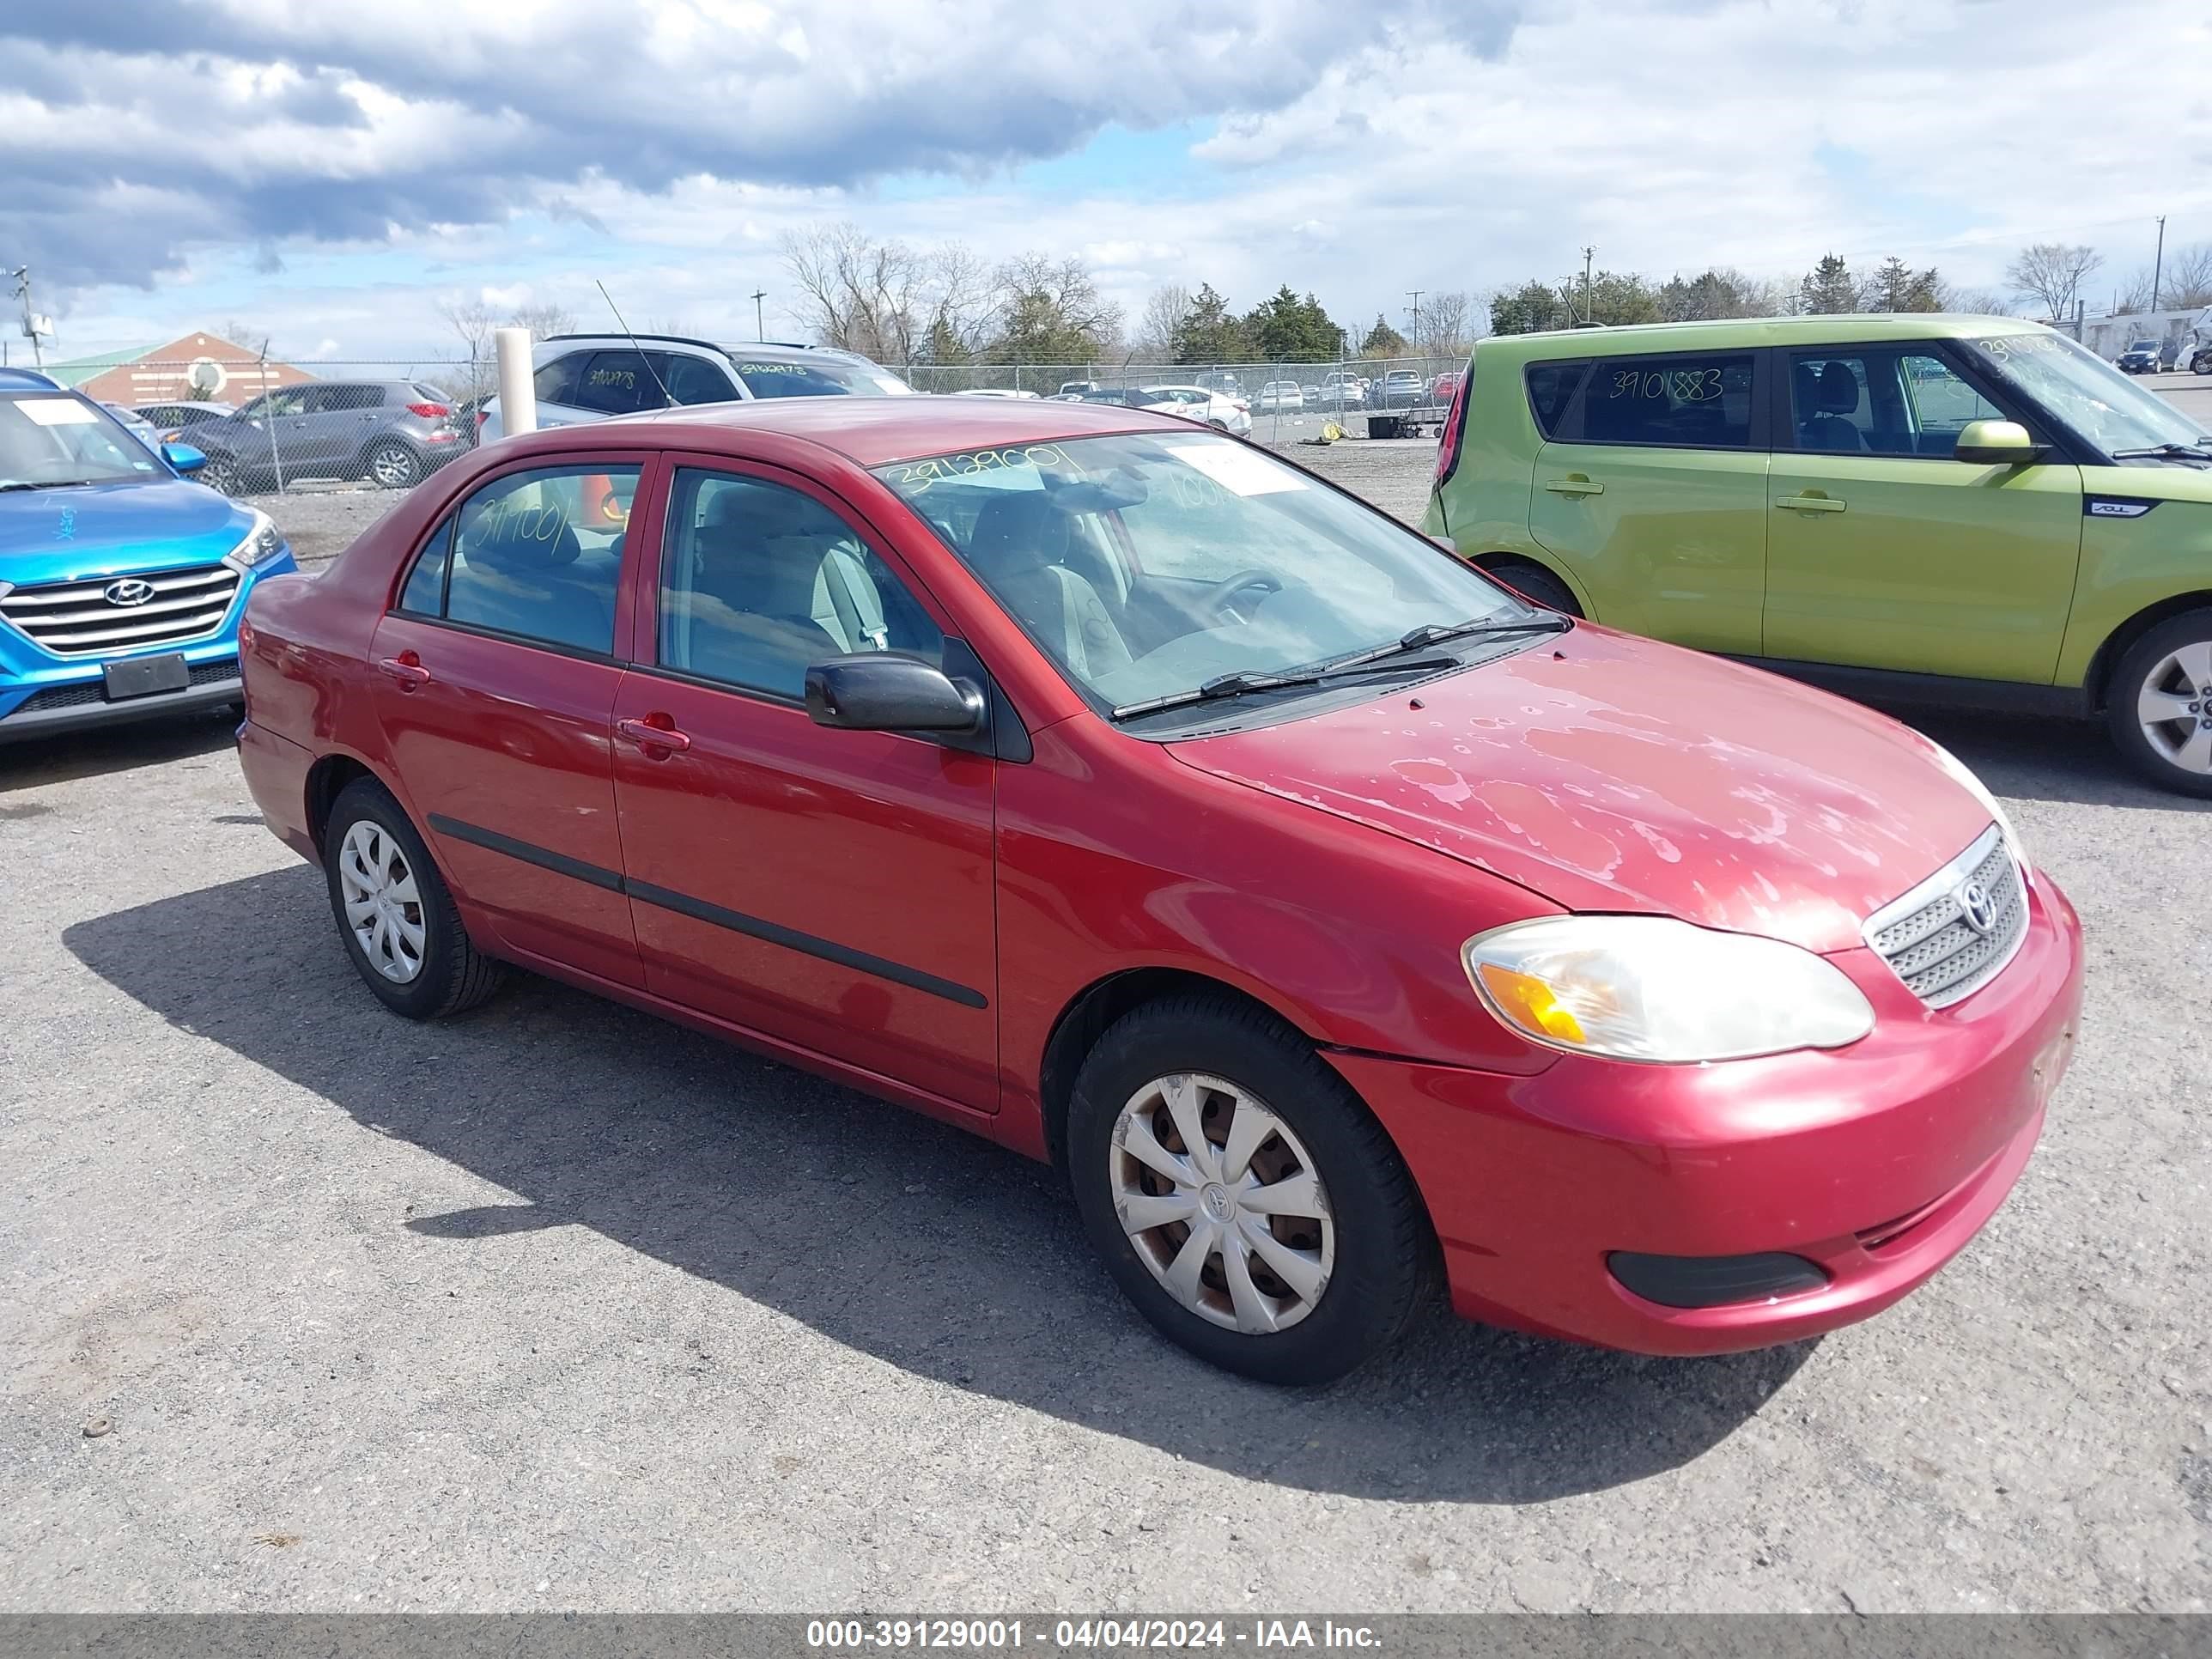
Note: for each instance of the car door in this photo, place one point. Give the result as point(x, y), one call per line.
point(306, 437)
point(494, 681)
point(1883, 551)
point(1650, 489)
point(830, 889)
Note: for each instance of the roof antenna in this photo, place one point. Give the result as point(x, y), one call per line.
point(666, 402)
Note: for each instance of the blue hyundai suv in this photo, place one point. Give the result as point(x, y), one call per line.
point(121, 581)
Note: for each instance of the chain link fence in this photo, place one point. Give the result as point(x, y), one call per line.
point(266, 425)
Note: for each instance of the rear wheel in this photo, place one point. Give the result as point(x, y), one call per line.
point(394, 466)
point(2158, 704)
point(1243, 1195)
point(1535, 583)
point(399, 921)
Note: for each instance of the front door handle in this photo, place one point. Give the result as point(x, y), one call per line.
point(655, 731)
point(1810, 503)
point(406, 668)
point(1574, 484)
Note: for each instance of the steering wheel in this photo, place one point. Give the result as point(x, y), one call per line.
point(1214, 604)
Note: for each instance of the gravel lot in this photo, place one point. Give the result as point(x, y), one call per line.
point(558, 1307)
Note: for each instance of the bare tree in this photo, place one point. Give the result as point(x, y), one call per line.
point(2184, 284)
point(962, 300)
point(2052, 273)
point(254, 339)
point(858, 293)
point(1442, 324)
point(1054, 313)
point(1162, 321)
point(544, 319)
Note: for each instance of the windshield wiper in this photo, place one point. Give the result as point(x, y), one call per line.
point(49, 483)
point(1239, 683)
point(2164, 452)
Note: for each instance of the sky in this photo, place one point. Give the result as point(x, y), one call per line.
point(330, 174)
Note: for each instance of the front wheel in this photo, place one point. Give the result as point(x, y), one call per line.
point(2158, 704)
point(394, 910)
point(394, 466)
point(221, 474)
point(1243, 1195)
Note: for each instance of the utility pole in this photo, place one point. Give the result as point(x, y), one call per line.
point(760, 329)
point(2158, 265)
point(23, 275)
point(1589, 254)
point(1414, 294)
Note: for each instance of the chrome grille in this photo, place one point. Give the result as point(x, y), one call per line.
point(1928, 937)
point(76, 619)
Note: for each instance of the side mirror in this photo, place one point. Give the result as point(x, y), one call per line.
point(183, 457)
point(1997, 443)
point(884, 691)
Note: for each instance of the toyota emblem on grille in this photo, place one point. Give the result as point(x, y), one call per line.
point(129, 591)
point(1979, 907)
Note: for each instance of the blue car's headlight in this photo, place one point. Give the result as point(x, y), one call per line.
point(261, 542)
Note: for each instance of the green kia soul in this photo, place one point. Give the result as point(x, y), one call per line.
point(1972, 510)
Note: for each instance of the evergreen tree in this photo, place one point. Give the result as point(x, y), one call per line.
point(1828, 288)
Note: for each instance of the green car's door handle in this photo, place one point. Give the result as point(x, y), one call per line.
point(1810, 503)
point(1574, 484)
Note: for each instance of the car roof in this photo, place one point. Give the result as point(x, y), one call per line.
point(773, 350)
point(871, 431)
point(27, 380)
point(1745, 332)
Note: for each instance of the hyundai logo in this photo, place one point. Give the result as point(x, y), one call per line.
point(1979, 907)
point(129, 591)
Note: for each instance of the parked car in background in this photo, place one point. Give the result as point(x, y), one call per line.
point(1401, 388)
point(1342, 389)
point(589, 377)
point(139, 428)
point(1076, 389)
point(1280, 397)
point(177, 421)
point(121, 581)
point(1125, 396)
point(1444, 388)
point(911, 706)
point(1970, 510)
point(1221, 382)
point(2140, 358)
point(394, 432)
point(2200, 359)
point(1201, 403)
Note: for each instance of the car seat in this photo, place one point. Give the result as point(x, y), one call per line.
point(1832, 394)
point(756, 562)
point(1017, 547)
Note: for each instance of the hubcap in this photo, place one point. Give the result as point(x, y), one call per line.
point(1222, 1203)
point(2175, 706)
point(383, 910)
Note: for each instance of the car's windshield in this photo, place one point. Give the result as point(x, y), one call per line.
point(52, 438)
point(815, 377)
point(1147, 565)
point(2082, 389)
point(2144, 345)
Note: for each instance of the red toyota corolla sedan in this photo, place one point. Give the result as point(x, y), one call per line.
point(1331, 916)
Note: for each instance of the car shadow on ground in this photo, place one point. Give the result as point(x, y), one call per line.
point(35, 763)
point(2026, 758)
point(894, 1235)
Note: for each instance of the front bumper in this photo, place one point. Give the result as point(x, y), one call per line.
point(55, 709)
point(1875, 1162)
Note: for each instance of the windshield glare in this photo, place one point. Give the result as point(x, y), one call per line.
point(2087, 392)
point(55, 439)
point(1146, 566)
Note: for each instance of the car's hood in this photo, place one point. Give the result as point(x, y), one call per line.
point(1612, 773)
point(112, 529)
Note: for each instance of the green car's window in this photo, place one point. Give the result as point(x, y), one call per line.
point(1551, 388)
point(1880, 400)
point(1693, 401)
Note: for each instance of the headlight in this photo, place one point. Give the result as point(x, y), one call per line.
point(1963, 775)
point(1653, 989)
point(262, 542)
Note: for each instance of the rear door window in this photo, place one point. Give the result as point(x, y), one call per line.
point(1551, 388)
point(1691, 401)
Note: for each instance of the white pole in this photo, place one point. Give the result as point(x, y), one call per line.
point(517, 395)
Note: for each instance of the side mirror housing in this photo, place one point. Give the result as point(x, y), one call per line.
point(1997, 443)
point(885, 691)
point(183, 457)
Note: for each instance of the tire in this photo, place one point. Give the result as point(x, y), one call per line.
point(1365, 1252)
point(2168, 670)
point(449, 973)
point(392, 465)
point(1537, 585)
point(2201, 364)
point(222, 475)
point(1218, 425)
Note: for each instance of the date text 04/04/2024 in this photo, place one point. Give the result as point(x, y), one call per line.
point(1254, 1634)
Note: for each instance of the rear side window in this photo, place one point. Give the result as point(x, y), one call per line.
point(1551, 388)
point(536, 556)
point(344, 399)
point(556, 383)
point(1700, 401)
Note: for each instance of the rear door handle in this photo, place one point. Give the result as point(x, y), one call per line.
point(1810, 503)
point(649, 734)
point(406, 668)
point(1575, 486)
